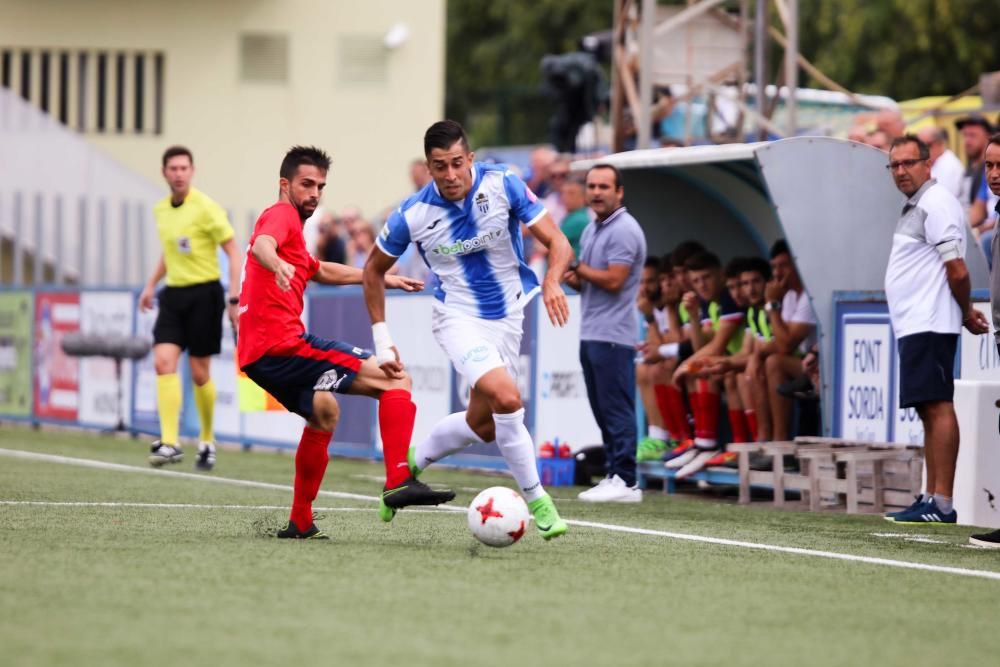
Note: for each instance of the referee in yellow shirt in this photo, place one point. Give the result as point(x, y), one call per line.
point(191, 226)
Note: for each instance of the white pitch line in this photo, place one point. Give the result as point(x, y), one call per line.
point(190, 506)
point(943, 569)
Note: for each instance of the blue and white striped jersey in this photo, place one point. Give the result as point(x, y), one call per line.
point(474, 246)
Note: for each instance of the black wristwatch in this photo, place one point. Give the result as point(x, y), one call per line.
point(650, 319)
point(574, 265)
point(234, 301)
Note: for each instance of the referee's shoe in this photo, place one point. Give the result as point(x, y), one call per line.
point(927, 512)
point(160, 454)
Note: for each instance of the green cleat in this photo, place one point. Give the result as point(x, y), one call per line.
point(650, 449)
point(291, 531)
point(547, 518)
point(411, 460)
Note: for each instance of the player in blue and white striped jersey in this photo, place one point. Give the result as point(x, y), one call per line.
point(466, 224)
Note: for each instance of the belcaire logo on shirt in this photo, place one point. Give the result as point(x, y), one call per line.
point(465, 247)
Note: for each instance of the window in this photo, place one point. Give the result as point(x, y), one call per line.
point(264, 57)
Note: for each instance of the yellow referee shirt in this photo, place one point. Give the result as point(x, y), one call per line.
point(190, 234)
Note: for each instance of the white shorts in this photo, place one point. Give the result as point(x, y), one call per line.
point(476, 346)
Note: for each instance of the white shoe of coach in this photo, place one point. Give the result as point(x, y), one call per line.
point(615, 490)
point(594, 491)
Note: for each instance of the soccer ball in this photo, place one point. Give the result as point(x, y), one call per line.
point(498, 516)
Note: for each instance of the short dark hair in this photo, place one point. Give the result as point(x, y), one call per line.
point(175, 151)
point(995, 139)
point(922, 150)
point(444, 134)
point(757, 265)
point(651, 263)
point(734, 267)
point(702, 261)
point(780, 247)
point(614, 169)
point(666, 264)
point(685, 251)
point(300, 155)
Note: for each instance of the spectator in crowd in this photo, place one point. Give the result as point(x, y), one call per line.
point(975, 131)
point(537, 176)
point(323, 237)
point(553, 201)
point(992, 176)
point(878, 139)
point(419, 174)
point(612, 251)
point(578, 216)
point(928, 290)
point(858, 133)
point(361, 239)
point(715, 331)
point(983, 219)
point(793, 332)
point(946, 168)
point(890, 121)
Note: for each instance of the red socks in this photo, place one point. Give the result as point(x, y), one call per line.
point(396, 414)
point(706, 415)
point(751, 416)
point(310, 466)
point(738, 424)
point(671, 405)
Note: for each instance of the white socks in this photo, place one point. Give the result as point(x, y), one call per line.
point(519, 452)
point(451, 434)
point(658, 433)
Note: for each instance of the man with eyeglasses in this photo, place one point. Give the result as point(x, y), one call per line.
point(991, 172)
point(928, 289)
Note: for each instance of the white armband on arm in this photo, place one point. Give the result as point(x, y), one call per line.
point(668, 350)
point(383, 343)
point(949, 250)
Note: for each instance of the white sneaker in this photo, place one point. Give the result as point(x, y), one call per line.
point(594, 490)
point(616, 491)
point(697, 463)
point(682, 460)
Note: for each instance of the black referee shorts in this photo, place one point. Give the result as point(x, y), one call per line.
point(191, 318)
point(926, 368)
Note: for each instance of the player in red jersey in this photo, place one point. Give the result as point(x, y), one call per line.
point(303, 371)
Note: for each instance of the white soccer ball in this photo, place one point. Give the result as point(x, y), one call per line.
point(498, 516)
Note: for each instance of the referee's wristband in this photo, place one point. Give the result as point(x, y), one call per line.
point(234, 301)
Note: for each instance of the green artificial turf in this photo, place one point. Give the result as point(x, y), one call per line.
point(125, 585)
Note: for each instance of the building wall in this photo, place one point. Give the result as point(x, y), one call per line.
point(365, 104)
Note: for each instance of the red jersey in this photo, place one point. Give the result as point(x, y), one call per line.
point(268, 316)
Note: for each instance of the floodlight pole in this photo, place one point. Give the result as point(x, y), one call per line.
point(760, 61)
point(792, 64)
point(644, 121)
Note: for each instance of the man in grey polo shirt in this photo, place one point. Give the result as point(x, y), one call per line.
point(612, 253)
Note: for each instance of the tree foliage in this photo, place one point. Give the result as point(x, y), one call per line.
point(493, 54)
point(901, 48)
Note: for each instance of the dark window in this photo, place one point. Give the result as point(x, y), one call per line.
point(5, 66)
point(120, 92)
point(140, 90)
point(158, 93)
point(81, 91)
point(102, 90)
point(26, 75)
point(64, 88)
point(43, 75)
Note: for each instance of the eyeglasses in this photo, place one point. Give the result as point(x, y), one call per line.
point(905, 164)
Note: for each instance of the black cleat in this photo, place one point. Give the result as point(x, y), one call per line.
point(410, 492)
point(292, 532)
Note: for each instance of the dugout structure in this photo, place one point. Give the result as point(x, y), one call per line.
point(833, 200)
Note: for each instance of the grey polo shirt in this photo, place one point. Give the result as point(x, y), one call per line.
point(606, 316)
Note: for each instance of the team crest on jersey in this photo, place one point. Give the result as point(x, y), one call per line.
point(328, 381)
point(482, 202)
point(184, 244)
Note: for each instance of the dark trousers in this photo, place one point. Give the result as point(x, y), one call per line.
point(609, 372)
